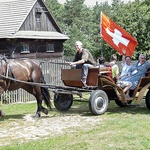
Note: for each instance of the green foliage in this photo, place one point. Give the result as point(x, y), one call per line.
point(56, 10)
point(82, 23)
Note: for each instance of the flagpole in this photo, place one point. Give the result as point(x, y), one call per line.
point(101, 40)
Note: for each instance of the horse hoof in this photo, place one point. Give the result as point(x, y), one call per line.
point(2, 114)
point(45, 111)
point(37, 115)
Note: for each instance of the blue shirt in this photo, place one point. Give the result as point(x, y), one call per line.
point(135, 72)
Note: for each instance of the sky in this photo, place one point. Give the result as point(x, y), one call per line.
point(92, 2)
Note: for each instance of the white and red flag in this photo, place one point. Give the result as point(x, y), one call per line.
point(116, 36)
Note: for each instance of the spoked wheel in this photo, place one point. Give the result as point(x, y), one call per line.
point(147, 99)
point(63, 102)
point(98, 102)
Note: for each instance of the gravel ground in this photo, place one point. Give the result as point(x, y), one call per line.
point(29, 128)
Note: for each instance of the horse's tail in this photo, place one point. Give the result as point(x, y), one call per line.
point(45, 94)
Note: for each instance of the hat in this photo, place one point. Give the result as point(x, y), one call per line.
point(78, 43)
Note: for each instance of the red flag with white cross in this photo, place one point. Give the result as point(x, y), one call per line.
point(116, 36)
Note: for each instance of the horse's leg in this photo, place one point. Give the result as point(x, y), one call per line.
point(43, 94)
point(40, 107)
point(44, 110)
point(36, 91)
point(2, 113)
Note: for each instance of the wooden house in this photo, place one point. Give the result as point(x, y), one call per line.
point(27, 29)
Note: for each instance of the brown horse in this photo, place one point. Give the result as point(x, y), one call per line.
point(26, 70)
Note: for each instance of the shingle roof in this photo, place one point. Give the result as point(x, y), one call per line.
point(13, 13)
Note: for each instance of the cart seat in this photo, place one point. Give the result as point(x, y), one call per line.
point(107, 71)
point(147, 73)
point(73, 77)
point(143, 82)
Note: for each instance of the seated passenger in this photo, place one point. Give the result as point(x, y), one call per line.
point(125, 85)
point(115, 74)
point(137, 71)
point(102, 61)
point(104, 67)
point(126, 64)
point(115, 68)
point(83, 59)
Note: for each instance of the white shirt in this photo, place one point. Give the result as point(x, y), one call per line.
point(125, 69)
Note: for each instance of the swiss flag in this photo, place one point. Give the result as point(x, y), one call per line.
point(116, 36)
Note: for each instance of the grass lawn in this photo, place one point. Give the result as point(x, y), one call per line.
point(121, 129)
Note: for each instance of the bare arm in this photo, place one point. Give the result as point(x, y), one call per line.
point(117, 77)
point(82, 61)
point(123, 55)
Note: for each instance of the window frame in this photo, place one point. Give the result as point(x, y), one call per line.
point(25, 48)
point(50, 47)
point(38, 17)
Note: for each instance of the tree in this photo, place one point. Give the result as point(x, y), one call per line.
point(77, 18)
point(57, 11)
point(82, 23)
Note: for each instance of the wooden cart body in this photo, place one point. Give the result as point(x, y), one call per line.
point(73, 77)
point(102, 88)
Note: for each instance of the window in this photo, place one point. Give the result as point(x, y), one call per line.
point(38, 17)
point(38, 20)
point(50, 47)
point(25, 48)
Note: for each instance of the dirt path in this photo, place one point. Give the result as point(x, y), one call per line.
point(29, 128)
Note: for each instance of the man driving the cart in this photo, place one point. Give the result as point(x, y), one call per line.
point(83, 59)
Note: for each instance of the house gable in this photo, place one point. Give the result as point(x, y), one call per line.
point(40, 19)
point(28, 29)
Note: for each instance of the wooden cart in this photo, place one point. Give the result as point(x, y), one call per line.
point(102, 89)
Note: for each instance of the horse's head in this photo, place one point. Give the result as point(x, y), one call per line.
point(3, 72)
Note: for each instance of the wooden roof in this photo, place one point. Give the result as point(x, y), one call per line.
point(12, 15)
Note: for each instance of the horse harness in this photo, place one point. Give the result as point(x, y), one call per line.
point(5, 74)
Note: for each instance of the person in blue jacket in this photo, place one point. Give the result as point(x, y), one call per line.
point(136, 71)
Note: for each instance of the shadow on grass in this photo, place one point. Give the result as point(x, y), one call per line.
point(82, 109)
point(7, 117)
point(131, 109)
point(78, 108)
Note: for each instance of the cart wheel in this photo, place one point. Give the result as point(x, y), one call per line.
point(98, 102)
point(147, 99)
point(63, 102)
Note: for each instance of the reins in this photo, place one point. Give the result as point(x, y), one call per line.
point(16, 80)
point(52, 87)
point(51, 62)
